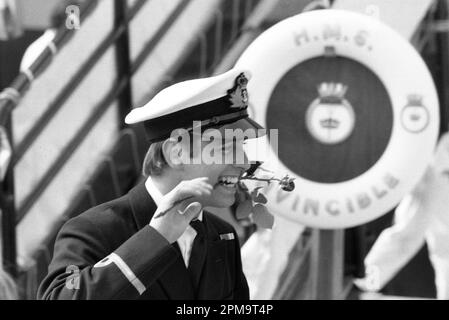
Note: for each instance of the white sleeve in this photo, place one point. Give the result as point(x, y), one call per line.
point(397, 244)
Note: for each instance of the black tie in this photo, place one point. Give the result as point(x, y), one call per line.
point(198, 254)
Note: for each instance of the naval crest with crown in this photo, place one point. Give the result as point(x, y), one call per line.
point(414, 115)
point(330, 118)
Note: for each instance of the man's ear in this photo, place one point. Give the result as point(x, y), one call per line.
point(173, 153)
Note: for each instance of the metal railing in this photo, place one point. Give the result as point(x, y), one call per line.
point(9, 99)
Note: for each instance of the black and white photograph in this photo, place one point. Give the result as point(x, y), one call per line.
point(227, 155)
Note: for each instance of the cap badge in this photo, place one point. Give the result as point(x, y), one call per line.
point(330, 118)
point(414, 115)
point(238, 95)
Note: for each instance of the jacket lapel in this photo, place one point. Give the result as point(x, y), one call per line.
point(142, 205)
point(213, 276)
point(175, 281)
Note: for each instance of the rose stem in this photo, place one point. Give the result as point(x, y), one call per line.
point(258, 179)
point(163, 213)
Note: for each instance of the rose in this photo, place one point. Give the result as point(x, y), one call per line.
point(287, 184)
point(250, 205)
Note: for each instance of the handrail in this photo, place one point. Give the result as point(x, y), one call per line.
point(250, 30)
point(152, 42)
point(9, 99)
point(443, 45)
point(22, 82)
point(99, 109)
point(123, 57)
point(70, 87)
point(70, 148)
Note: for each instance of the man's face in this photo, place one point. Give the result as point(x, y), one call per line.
point(223, 175)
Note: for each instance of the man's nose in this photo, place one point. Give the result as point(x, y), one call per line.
point(245, 165)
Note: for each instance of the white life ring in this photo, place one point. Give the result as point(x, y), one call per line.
point(408, 84)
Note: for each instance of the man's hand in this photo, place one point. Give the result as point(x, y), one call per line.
point(177, 216)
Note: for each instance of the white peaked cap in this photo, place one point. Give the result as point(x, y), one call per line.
point(184, 95)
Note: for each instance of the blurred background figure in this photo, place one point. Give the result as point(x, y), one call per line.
point(265, 256)
point(5, 153)
point(421, 217)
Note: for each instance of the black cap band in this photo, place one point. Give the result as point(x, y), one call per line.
point(213, 113)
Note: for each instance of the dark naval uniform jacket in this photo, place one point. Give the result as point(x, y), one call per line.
point(111, 252)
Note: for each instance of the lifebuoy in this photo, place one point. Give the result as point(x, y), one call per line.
point(356, 110)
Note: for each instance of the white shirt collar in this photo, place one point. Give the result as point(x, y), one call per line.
point(157, 195)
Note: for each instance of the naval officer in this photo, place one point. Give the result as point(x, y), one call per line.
point(158, 241)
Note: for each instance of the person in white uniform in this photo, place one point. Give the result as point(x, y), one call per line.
point(421, 217)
